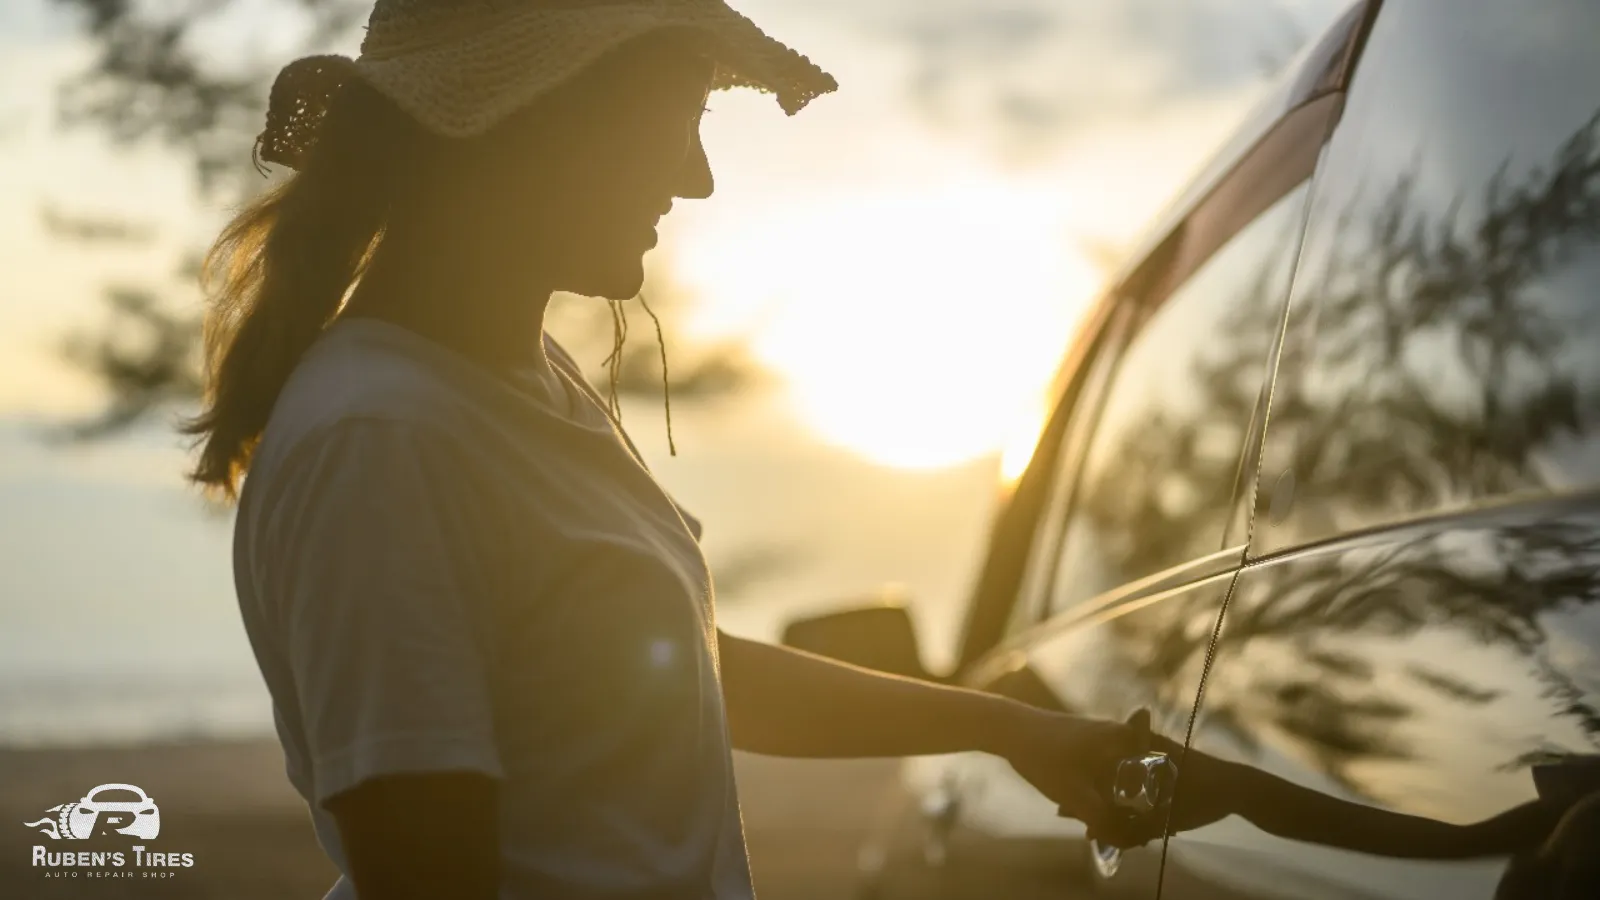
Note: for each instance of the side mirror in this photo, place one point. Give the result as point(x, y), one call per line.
point(878, 637)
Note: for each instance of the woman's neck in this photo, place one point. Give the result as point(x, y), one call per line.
point(459, 295)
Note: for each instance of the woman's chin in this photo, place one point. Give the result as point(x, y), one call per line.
point(621, 282)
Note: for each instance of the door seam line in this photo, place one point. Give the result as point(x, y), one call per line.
point(1250, 515)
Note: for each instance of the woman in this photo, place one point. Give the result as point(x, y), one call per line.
point(487, 632)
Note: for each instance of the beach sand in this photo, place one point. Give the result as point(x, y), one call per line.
point(229, 804)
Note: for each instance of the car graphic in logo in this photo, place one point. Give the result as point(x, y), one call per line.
point(106, 810)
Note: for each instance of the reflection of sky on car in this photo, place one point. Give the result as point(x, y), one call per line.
point(1084, 560)
point(1501, 40)
point(1573, 646)
point(1572, 461)
point(1447, 750)
point(1427, 124)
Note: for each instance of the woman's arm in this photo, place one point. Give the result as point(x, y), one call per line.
point(420, 836)
point(1280, 807)
point(1213, 789)
point(787, 702)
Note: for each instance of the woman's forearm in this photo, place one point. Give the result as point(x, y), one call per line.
point(1287, 810)
point(787, 702)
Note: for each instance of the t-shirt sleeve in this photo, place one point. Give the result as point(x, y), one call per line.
point(377, 590)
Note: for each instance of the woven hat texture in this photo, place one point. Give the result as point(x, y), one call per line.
point(458, 67)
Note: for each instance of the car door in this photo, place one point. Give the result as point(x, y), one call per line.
point(1138, 539)
point(1404, 700)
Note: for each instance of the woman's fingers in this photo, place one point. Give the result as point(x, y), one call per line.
point(1088, 807)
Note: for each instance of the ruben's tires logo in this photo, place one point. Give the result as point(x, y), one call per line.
point(107, 813)
point(103, 811)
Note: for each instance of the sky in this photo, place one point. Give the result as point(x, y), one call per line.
point(908, 255)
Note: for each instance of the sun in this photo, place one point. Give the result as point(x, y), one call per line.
point(916, 328)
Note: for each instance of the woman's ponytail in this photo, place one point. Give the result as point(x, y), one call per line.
point(280, 270)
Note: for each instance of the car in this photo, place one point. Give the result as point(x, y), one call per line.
point(1320, 491)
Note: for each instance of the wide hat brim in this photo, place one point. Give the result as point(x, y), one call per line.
point(458, 69)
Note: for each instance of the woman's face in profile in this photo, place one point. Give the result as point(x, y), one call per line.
point(582, 179)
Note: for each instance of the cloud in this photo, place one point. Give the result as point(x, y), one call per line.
point(1035, 71)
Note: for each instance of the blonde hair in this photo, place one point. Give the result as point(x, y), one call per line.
point(280, 270)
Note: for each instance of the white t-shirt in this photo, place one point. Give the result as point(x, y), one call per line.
point(440, 569)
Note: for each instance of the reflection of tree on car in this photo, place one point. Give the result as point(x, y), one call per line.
point(1471, 286)
point(1469, 290)
point(1412, 297)
point(1491, 583)
point(1551, 841)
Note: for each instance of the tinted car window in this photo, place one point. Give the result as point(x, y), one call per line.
point(1440, 347)
point(1160, 471)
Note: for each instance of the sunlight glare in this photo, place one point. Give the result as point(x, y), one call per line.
point(916, 328)
point(1018, 449)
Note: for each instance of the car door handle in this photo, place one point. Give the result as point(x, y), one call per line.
point(1143, 784)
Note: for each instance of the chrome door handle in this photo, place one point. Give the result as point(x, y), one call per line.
point(1143, 784)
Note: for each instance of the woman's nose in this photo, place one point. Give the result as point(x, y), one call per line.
point(696, 182)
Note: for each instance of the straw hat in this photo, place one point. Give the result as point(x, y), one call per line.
point(460, 66)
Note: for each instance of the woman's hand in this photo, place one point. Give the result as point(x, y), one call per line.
point(1212, 791)
point(1070, 759)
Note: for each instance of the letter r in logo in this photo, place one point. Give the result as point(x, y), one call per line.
point(111, 821)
